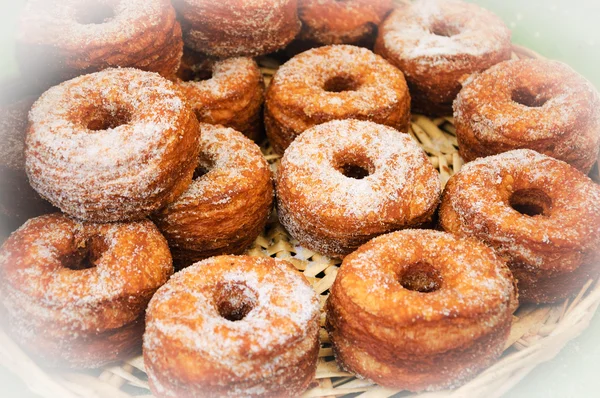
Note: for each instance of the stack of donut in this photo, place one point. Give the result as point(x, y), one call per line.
point(149, 151)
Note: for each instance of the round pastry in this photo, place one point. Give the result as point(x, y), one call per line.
point(61, 39)
point(238, 27)
point(75, 293)
point(229, 92)
point(226, 206)
point(334, 82)
point(530, 103)
point(233, 326)
point(344, 182)
point(113, 145)
point(18, 201)
point(336, 22)
point(436, 43)
point(420, 310)
point(539, 213)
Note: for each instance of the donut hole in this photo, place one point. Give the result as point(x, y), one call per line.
point(444, 29)
point(421, 277)
point(524, 96)
point(105, 119)
point(531, 202)
point(341, 83)
point(234, 300)
point(204, 166)
point(86, 254)
point(353, 165)
point(94, 13)
point(195, 75)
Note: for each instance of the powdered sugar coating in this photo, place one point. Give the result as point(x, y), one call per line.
point(335, 22)
point(415, 340)
point(50, 305)
point(437, 42)
point(118, 172)
point(223, 210)
point(232, 96)
point(558, 241)
point(236, 357)
point(560, 116)
point(238, 27)
point(76, 42)
point(298, 97)
point(314, 197)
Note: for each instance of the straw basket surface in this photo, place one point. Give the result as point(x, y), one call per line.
point(538, 332)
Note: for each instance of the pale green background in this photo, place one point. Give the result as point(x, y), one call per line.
point(565, 30)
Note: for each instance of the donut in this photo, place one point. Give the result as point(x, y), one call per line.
point(233, 326)
point(420, 310)
point(436, 43)
point(531, 103)
point(18, 201)
point(334, 82)
point(539, 213)
point(61, 39)
point(226, 206)
point(236, 28)
point(341, 22)
point(113, 145)
point(229, 92)
point(75, 293)
point(344, 182)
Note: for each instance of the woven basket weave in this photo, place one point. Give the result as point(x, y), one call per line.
point(538, 332)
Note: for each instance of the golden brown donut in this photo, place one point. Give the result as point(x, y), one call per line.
point(438, 42)
point(420, 310)
point(226, 206)
point(233, 326)
point(236, 28)
point(334, 82)
point(344, 182)
point(61, 39)
point(539, 213)
point(113, 145)
point(341, 22)
point(18, 201)
point(229, 92)
point(531, 103)
point(75, 293)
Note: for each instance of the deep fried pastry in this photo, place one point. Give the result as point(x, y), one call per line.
point(226, 206)
point(539, 213)
point(75, 293)
point(344, 182)
point(420, 310)
point(436, 43)
point(233, 326)
point(113, 145)
point(330, 83)
point(531, 103)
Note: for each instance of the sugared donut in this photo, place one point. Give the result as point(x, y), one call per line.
point(420, 310)
point(539, 213)
point(233, 326)
point(18, 201)
point(235, 28)
point(344, 182)
point(226, 206)
point(112, 145)
point(436, 43)
point(334, 82)
point(341, 22)
point(75, 293)
point(531, 103)
point(61, 39)
point(229, 92)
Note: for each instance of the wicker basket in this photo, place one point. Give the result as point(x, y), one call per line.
point(538, 332)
